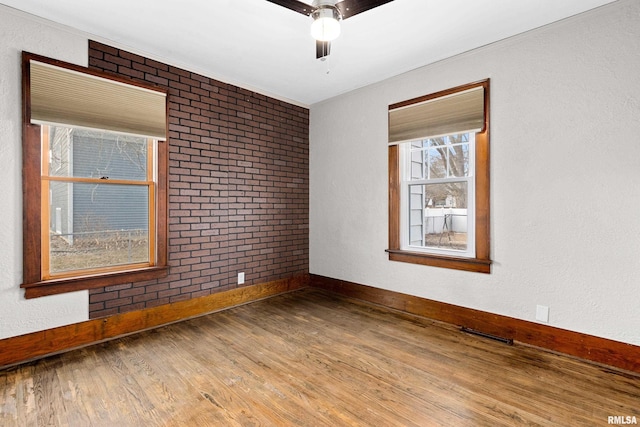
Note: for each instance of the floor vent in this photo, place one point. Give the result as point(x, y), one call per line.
point(507, 341)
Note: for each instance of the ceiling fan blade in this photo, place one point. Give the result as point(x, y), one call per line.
point(322, 49)
point(295, 5)
point(348, 8)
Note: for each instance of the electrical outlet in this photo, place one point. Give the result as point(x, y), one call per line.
point(240, 278)
point(542, 313)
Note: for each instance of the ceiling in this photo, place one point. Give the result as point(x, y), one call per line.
point(267, 48)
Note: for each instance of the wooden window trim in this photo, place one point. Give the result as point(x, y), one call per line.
point(32, 192)
point(481, 263)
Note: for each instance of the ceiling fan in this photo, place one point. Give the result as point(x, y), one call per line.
point(327, 15)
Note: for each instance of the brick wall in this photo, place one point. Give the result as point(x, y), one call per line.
point(238, 186)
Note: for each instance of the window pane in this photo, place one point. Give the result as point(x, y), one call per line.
point(442, 157)
point(448, 156)
point(437, 163)
point(416, 215)
point(96, 154)
point(416, 170)
point(93, 226)
point(458, 153)
point(438, 215)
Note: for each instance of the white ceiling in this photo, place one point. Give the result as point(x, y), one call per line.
point(267, 48)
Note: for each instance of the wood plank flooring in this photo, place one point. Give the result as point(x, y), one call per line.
point(310, 358)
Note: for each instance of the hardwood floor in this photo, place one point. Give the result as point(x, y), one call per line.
point(310, 358)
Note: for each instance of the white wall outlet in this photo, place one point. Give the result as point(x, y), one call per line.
point(542, 313)
point(240, 278)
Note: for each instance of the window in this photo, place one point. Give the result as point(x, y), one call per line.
point(439, 179)
point(438, 187)
point(101, 193)
point(94, 181)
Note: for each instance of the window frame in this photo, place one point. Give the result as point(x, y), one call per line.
point(405, 158)
point(34, 222)
point(481, 262)
point(48, 181)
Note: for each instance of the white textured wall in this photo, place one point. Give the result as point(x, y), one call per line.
point(565, 177)
point(17, 315)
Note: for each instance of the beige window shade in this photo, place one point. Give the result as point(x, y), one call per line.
point(68, 97)
point(456, 113)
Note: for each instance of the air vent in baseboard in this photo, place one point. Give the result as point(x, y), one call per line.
point(507, 341)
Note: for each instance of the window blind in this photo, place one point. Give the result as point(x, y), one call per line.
point(456, 113)
point(67, 97)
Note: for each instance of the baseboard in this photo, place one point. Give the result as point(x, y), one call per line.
point(601, 350)
point(40, 344)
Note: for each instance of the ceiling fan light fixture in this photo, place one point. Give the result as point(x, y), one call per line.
point(326, 23)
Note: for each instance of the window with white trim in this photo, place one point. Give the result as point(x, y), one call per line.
point(438, 195)
point(439, 179)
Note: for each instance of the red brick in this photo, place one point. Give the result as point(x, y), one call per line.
point(238, 190)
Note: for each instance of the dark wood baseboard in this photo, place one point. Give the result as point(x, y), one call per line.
point(601, 350)
point(36, 345)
